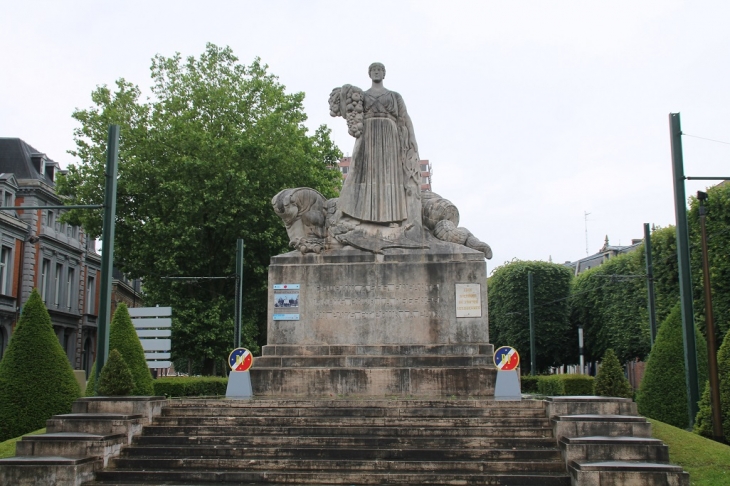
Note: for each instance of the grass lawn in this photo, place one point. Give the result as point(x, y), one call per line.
point(7, 448)
point(706, 461)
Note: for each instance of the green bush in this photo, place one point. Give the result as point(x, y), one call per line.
point(183, 386)
point(123, 338)
point(561, 385)
point(91, 382)
point(663, 392)
point(528, 383)
point(703, 420)
point(115, 379)
point(610, 380)
point(36, 378)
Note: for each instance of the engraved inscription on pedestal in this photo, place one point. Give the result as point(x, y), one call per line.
point(468, 300)
point(393, 301)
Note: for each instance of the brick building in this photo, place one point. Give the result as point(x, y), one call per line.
point(39, 251)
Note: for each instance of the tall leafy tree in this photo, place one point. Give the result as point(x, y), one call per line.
point(609, 301)
point(199, 162)
point(509, 323)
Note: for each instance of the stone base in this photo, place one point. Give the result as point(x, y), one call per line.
point(354, 323)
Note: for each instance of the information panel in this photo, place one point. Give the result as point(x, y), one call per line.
point(286, 302)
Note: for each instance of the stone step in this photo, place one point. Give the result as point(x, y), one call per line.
point(584, 449)
point(97, 423)
point(264, 441)
point(334, 464)
point(371, 361)
point(71, 444)
point(354, 431)
point(339, 477)
point(146, 406)
point(384, 350)
point(589, 425)
point(591, 405)
point(57, 470)
point(394, 412)
point(351, 421)
point(626, 472)
point(223, 406)
point(344, 453)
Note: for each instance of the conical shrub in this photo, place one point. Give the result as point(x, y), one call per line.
point(36, 378)
point(703, 421)
point(663, 391)
point(124, 339)
point(115, 378)
point(610, 380)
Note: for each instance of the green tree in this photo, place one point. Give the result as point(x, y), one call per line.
point(198, 165)
point(663, 393)
point(703, 420)
point(509, 323)
point(36, 379)
point(115, 378)
point(703, 423)
point(610, 380)
point(609, 301)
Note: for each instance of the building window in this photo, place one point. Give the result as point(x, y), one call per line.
point(8, 199)
point(51, 221)
point(424, 167)
point(69, 287)
point(424, 180)
point(345, 169)
point(5, 273)
point(57, 285)
point(45, 270)
point(91, 296)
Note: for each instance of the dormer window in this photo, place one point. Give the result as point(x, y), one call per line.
point(50, 170)
point(8, 199)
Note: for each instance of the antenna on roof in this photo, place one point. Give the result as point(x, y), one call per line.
point(585, 217)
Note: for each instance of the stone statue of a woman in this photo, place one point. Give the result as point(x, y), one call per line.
point(383, 186)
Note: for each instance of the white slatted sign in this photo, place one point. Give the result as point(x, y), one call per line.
point(153, 328)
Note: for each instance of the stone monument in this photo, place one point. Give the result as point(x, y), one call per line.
point(384, 293)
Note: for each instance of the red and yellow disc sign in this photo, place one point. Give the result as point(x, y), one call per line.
point(506, 358)
point(240, 359)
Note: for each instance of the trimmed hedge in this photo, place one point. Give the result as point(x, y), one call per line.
point(565, 385)
point(703, 422)
point(185, 386)
point(528, 383)
point(36, 379)
point(663, 393)
point(610, 380)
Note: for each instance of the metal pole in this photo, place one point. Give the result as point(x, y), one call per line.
point(717, 432)
point(107, 250)
point(239, 294)
point(685, 279)
point(651, 302)
point(580, 350)
point(531, 297)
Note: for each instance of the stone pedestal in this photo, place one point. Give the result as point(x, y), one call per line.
point(349, 322)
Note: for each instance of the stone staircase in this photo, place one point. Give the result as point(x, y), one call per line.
point(343, 441)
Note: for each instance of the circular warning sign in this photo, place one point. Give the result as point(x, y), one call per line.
point(506, 358)
point(240, 359)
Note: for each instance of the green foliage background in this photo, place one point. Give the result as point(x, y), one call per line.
point(663, 393)
point(199, 162)
point(36, 379)
point(509, 320)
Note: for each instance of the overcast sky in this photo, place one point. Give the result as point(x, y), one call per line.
point(531, 112)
